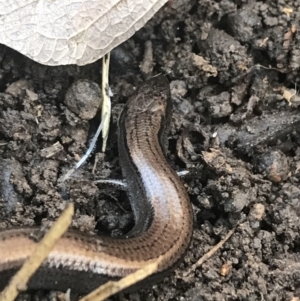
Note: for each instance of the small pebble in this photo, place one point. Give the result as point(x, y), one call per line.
point(274, 165)
point(225, 269)
point(257, 212)
point(84, 99)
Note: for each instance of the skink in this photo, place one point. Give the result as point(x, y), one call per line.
point(160, 203)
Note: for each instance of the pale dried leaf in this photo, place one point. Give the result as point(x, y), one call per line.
point(60, 32)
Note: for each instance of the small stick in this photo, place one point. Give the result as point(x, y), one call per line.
point(112, 287)
point(209, 254)
point(43, 248)
point(106, 102)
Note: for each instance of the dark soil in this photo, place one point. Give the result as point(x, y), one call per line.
point(234, 71)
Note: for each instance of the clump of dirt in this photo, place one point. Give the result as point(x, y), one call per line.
point(235, 127)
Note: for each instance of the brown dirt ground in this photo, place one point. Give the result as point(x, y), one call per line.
point(234, 68)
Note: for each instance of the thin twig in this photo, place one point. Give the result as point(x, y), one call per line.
point(112, 287)
point(209, 254)
point(43, 248)
point(106, 103)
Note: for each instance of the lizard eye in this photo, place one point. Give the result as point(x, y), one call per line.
point(158, 106)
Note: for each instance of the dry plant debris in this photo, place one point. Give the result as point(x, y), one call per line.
point(209, 254)
point(112, 287)
point(71, 32)
point(19, 281)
